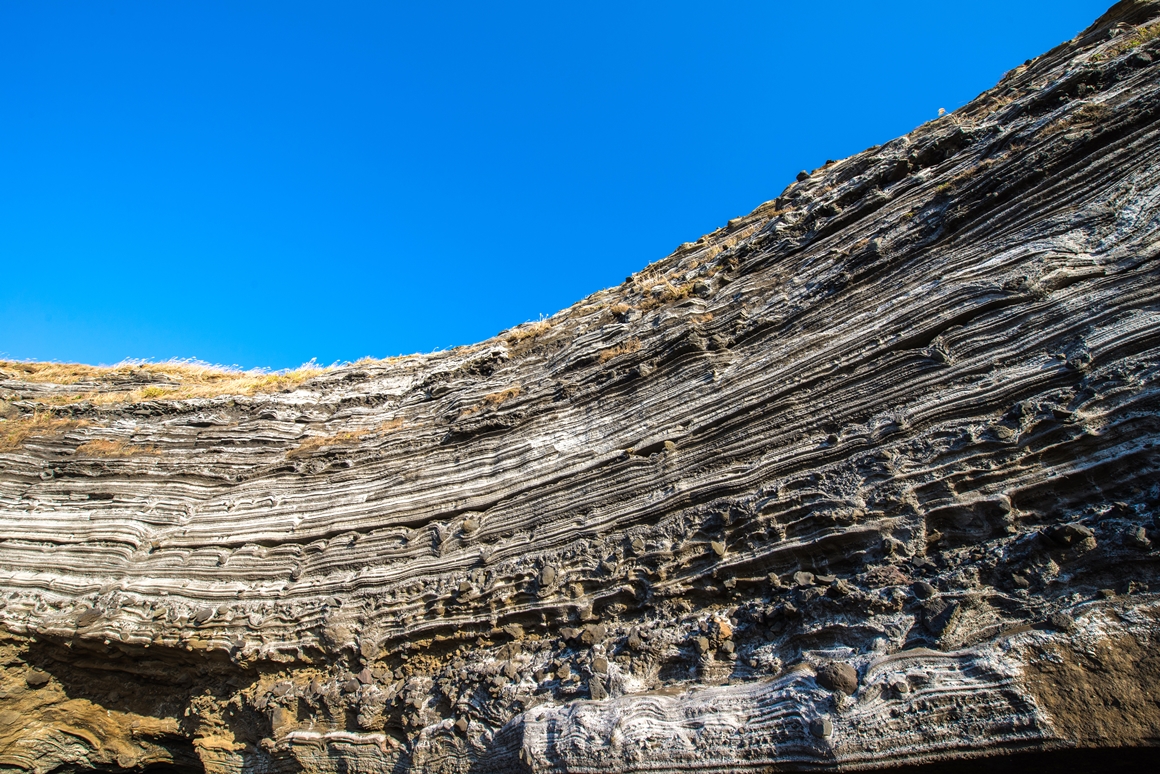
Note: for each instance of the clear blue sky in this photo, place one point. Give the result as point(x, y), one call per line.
point(264, 183)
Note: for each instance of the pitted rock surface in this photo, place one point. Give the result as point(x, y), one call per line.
point(898, 425)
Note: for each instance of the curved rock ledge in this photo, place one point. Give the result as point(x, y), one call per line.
point(864, 479)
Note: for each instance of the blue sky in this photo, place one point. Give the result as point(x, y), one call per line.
point(259, 184)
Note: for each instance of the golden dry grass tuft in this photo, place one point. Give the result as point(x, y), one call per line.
point(496, 398)
point(392, 424)
point(625, 348)
point(14, 432)
point(768, 210)
point(316, 442)
point(528, 331)
point(491, 400)
point(658, 290)
point(113, 448)
point(183, 380)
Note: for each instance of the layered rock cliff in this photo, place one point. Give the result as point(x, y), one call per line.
point(866, 478)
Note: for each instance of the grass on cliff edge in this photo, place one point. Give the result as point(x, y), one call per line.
point(14, 432)
point(1137, 38)
point(176, 380)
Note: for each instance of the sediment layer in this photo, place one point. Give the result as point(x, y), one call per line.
point(866, 478)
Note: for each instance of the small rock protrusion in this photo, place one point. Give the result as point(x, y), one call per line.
point(564, 671)
point(900, 685)
point(461, 725)
point(469, 526)
point(803, 175)
point(923, 590)
point(600, 665)
point(803, 579)
point(88, 617)
point(822, 728)
point(638, 546)
point(702, 645)
point(721, 627)
point(837, 676)
point(596, 689)
point(1138, 537)
point(547, 576)
point(36, 678)
point(718, 547)
point(1139, 59)
point(592, 634)
point(1067, 535)
point(940, 615)
point(365, 677)
point(351, 686)
point(1061, 622)
point(202, 615)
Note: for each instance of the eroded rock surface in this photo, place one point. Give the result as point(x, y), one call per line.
point(866, 478)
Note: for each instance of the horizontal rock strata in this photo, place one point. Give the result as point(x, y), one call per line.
point(865, 478)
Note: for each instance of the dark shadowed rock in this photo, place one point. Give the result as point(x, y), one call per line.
point(837, 676)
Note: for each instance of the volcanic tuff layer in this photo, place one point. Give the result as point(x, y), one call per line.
point(867, 477)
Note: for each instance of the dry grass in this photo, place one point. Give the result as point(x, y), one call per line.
point(701, 319)
point(316, 442)
point(1086, 117)
point(393, 424)
point(528, 331)
point(668, 293)
point(627, 347)
point(491, 400)
point(112, 448)
point(14, 432)
point(768, 210)
point(619, 309)
point(496, 398)
point(186, 380)
point(1138, 38)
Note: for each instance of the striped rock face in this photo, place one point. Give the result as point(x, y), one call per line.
point(867, 477)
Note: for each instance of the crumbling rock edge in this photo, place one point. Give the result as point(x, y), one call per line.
point(866, 479)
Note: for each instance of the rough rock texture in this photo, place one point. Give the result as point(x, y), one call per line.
point(865, 478)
